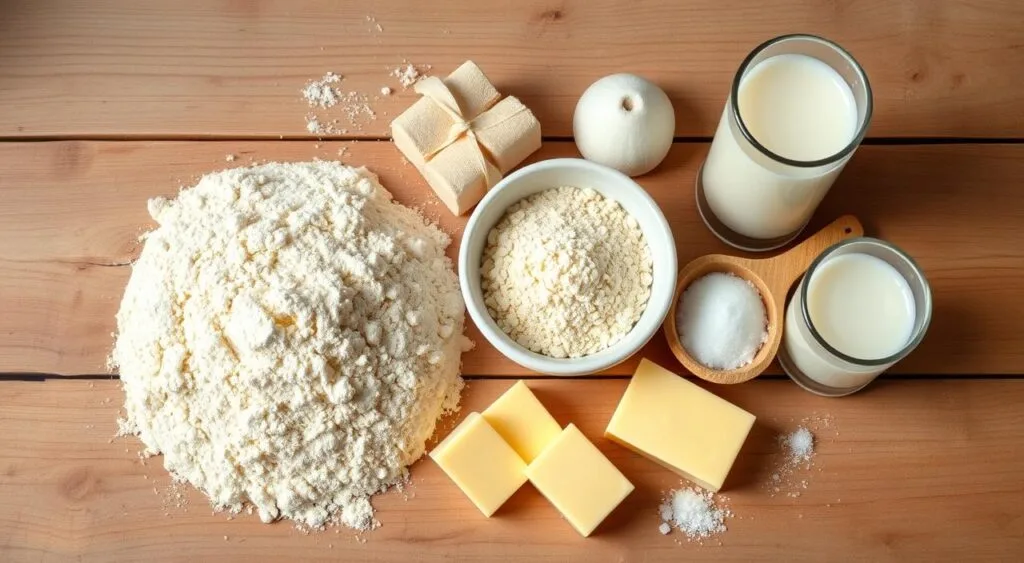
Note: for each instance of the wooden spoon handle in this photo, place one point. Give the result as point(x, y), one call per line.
point(791, 264)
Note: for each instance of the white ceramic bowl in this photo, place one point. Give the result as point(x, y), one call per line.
point(581, 174)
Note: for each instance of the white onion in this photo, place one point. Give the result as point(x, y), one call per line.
point(625, 122)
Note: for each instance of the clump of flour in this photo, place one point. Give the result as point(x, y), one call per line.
point(322, 92)
point(288, 339)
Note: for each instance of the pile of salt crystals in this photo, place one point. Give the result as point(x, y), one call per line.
point(798, 451)
point(694, 512)
point(722, 321)
point(799, 445)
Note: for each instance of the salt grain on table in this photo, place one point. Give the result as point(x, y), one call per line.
point(694, 513)
point(799, 445)
point(722, 321)
point(796, 457)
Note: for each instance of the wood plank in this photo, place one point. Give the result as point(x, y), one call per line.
point(198, 68)
point(72, 213)
point(925, 470)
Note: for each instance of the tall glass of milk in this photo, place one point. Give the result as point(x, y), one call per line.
point(798, 109)
point(862, 306)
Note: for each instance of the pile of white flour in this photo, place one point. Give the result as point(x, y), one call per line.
point(566, 272)
point(288, 338)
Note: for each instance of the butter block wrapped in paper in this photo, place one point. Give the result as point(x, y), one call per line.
point(463, 137)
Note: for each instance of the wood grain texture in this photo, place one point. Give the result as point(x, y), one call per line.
point(910, 470)
point(71, 214)
point(235, 67)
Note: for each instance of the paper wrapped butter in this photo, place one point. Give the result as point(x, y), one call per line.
point(463, 137)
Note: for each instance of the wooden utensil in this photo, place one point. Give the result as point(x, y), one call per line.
point(772, 277)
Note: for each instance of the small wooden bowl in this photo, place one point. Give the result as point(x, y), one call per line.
point(772, 277)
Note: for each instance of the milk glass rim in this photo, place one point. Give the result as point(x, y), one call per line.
point(924, 308)
point(734, 103)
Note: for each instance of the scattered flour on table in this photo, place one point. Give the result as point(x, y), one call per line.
point(408, 73)
point(566, 272)
point(694, 512)
point(287, 340)
point(313, 125)
point(335, 111)
point(173, 497)
point(322, 92)
point(374, 25)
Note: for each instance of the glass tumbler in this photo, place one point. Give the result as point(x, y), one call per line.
point(819, 367)
point(753, 198)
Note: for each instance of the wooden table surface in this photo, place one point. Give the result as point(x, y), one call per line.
point(108, 103)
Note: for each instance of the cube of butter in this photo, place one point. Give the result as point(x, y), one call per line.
point(679, 425)
point(481, 463)
point(579, 480)
point(522, 421)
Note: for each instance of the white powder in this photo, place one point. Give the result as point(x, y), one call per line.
point(357, 108)
point(407, 74)
point(566, 272)
point(266, 340)
point(313, 125)
point(798, 449)
point(321, 92)
point(799, 445)
point(693, 512)
point(792, 465)
point(722, 321)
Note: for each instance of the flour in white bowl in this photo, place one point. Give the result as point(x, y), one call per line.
point(566, 272)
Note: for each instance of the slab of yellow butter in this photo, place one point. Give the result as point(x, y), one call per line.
point(522, 421)
point(481, 463)
point(679, 425)
point(578, 479)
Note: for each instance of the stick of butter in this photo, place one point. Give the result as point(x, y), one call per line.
point(679, 425)
point(522, 421)
point(579, 480)
point(481, 463)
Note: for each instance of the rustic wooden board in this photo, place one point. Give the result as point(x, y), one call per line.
point(919, 470)
point(234, 68)
point(71, 214)
point(927, 468)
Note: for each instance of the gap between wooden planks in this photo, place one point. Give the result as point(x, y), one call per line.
point(71, 213)
point(925, 470)
point(198, 68)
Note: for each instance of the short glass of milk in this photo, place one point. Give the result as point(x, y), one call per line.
point(862, 306)
point(798, 109)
